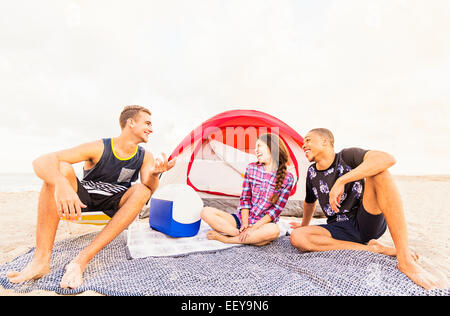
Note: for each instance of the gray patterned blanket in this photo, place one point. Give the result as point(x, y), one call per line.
point(276, 269)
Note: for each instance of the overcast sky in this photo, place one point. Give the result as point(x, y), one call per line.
point(377, 73)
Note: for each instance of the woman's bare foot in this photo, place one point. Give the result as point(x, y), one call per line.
point(214, 235)
point(73, 277)
point(34, 270)
point(388, 251)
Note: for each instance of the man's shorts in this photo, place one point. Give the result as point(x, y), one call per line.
point(97, 202)
point(360, 229)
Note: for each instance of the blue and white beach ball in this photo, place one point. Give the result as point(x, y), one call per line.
point(175, 210)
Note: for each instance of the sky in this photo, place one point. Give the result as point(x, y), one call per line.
point(376, 73)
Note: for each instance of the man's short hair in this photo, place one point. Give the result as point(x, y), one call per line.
point(326, 133)
point(131, 111)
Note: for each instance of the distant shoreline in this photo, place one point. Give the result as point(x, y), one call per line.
point(29, 182)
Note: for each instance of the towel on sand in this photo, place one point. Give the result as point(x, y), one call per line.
point(275, 269)
point(143, 241)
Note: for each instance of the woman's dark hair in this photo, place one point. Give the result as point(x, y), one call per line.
point(280, 156)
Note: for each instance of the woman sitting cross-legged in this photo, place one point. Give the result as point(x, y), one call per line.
point(266, 189)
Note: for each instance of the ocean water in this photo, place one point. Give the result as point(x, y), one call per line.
point(19, 182)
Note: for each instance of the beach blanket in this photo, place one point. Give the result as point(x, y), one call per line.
point(274, 269)
point(143, 241)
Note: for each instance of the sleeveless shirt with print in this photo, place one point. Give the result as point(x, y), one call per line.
point(113, 174)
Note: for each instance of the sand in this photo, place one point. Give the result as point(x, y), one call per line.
point(426, 200)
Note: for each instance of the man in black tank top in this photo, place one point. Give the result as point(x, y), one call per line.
point(359, 198)
point(110, 167)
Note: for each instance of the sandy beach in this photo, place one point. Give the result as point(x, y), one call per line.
point(426, 200)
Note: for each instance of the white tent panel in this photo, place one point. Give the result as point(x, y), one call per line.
point(216, 176)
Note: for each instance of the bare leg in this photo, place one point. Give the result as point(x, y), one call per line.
point(316, 238)
point(259, 237)
point(383, 196)
point(220, 221)
point(130, 205)
point(47, 224)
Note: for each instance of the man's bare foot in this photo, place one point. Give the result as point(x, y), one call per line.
point(73, 277)
point(34, 270)
point(388, 251)
point(421, 277)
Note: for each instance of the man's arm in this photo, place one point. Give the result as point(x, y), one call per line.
point(152, 168)
point(374, 162)
point(308, 212)
point(309, 205)
point(148, 178)
point(46, 167)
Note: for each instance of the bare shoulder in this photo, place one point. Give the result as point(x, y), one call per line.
point(95, 145)
point(94, 149)
point(91, 151)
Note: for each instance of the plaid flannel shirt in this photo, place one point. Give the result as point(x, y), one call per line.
point(258, 187)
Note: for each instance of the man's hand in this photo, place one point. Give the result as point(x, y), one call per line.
point(295, 225)
point(335, 195)
point(67, 201)
point(162, 165)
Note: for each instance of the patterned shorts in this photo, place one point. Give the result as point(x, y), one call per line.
point(108, 204)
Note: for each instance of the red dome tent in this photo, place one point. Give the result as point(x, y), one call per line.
point(212, 159)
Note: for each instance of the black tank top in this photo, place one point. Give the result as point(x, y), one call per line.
point(113, 174)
